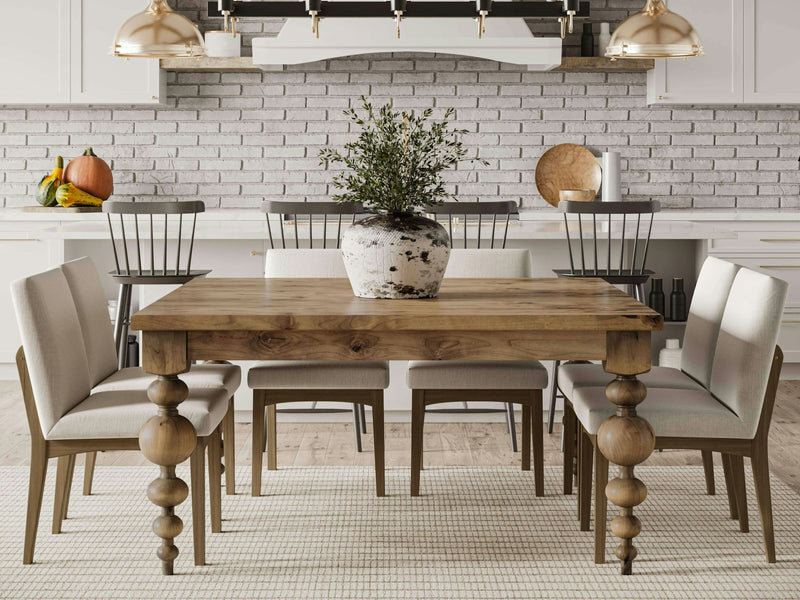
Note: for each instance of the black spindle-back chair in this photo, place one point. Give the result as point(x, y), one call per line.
point(608, 223)
point(135, 229)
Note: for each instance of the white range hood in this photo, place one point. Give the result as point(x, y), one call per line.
point(506, 40)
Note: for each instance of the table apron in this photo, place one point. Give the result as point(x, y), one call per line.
point(396, 345)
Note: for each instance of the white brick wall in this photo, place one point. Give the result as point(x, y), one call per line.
point(233, 139)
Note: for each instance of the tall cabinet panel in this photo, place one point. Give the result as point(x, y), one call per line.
point(715, 78)
point(771, 67)
point(98, 76)
point(34, 52)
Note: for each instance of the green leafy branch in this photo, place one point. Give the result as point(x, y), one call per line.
point(397, 161)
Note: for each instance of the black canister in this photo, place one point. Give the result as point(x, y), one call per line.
point(677, 300)
point(587, 40)
point(133, 351)
point(657, 300)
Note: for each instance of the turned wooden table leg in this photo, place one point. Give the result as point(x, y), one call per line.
point(625, 438)
point(167, 439)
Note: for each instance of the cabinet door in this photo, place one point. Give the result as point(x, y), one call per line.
point(715, 78)
point(98, 77)
point(34, 52)
point(771, 71)
point(22, 258)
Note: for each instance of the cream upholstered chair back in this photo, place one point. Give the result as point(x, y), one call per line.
point(53, 344)
point(746, 344)
point(323, 263)
point(705, 318)
point(90, 304)
point(508, 263)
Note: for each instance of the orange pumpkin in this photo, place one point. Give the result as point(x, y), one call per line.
point(90, 174)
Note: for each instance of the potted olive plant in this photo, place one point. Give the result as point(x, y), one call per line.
point(394, 168)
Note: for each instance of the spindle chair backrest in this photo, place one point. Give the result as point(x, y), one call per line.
point(611, 214)
point(143, 261)
point(478, 212)
point(290, 214)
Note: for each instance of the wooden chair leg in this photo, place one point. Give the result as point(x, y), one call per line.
point(578, 479)
point(538, 442)
point(585, 475)
point(258, 434)
point(198, 491)
point(88, 472)
point(378, 444)
point(68, 488)
point(38, 474)
point(215, 481)
point(526, 437)
point(726, 468)
point(551, 413)
point(708, 470)
point(417, 426)
point(760, 464)
point(569, 446)
point(737, 469)
point(272, 437)
point(229, 449)
point(600, 506)
point(60, 492)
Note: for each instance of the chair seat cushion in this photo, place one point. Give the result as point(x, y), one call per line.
point(583, 375)
point(476, 375)
point(227, 377)
point(319, 375)
point(671, 412)
point(121, 414)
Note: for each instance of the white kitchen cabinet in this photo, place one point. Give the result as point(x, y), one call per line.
point(771, 69)
point(34, 52)
point(749, 55)
point(98, 77)
point(58, 52)
point(715, 78)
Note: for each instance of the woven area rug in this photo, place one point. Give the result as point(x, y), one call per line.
point(320, 533)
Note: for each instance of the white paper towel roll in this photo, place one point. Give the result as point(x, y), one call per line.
point(611, 187)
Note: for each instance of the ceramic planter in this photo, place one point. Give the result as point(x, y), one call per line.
point(396, 255)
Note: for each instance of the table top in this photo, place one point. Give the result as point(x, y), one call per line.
point(258, 304)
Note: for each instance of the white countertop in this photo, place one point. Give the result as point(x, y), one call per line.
point(250, 224)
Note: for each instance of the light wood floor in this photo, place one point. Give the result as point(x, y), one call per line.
point(445, 443)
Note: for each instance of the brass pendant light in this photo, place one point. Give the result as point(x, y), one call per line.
point(655, 32)
point(158, 32)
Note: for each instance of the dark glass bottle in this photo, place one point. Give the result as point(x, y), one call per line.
point(657, 299)
point(677, 300)
point(587, 40)
point(133, 351)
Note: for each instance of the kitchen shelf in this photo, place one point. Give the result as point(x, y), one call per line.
point(599, 64)
point(573, 64)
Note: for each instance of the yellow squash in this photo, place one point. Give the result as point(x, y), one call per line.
point(46, 190)
point(68, 195)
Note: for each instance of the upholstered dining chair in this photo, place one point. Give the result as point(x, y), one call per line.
point(732, 415)
point(67, 415)
point(699, 346)
point(286, 381)
point(628, 227)
point(508, 381)
point(89, 297)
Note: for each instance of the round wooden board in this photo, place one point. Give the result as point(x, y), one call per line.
point(567, 167)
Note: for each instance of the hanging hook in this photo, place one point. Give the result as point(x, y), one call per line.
point(398, 8)
point(483, 7)
point(314, 7)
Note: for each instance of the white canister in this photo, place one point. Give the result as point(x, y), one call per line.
point(611, 188)
point(223, 43)
point(604, 39)
point(671, 355)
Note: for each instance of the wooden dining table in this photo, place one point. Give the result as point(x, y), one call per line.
point(471, 319)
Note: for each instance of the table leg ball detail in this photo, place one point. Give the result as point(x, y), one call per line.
point(626, 439)
point(167, 439)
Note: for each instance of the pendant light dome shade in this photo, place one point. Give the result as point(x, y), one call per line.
point(655, 32)
point(158, 32)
